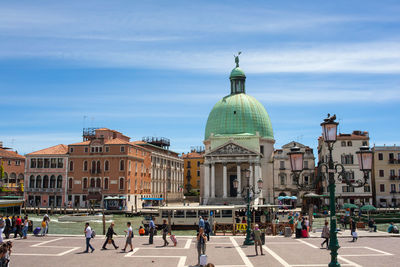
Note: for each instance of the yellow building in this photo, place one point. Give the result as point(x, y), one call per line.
point(192, 162)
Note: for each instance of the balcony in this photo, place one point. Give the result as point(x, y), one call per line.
point(394, 161)
point(94, 190)
point(393, 177)
point(394, 192)
point(282, 168)
point(43, 190)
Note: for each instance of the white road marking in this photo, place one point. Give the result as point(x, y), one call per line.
point(348, 261)
point(132, 252)
point(246, 260)
point(380, 251)
point(46, 242)
point(276, 256)
point(182, 261)
point(187, 245)
point(306, 243)
point(68, 251)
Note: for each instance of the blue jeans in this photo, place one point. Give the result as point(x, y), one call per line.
point(24, 231)
point(88, 244)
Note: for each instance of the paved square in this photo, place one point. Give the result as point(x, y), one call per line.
point(222, 251)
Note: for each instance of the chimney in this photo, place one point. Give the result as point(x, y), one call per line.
point(1, 144)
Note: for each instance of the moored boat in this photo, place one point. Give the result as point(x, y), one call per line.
point(83, 217)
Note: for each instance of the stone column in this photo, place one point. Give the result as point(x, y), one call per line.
point(212, 180)
point(224, 181)
point(238, 174)
point(251, 165)
point(206, 180)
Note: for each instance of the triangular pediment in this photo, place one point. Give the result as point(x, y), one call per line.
point(231, 148)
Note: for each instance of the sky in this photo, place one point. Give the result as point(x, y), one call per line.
point(156, 68)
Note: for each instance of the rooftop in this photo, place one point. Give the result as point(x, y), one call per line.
point(10, 154)
point(60, 149)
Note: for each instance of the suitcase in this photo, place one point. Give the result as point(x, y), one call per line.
point(37, 231)
point(173, 239)
point(203, 260)
point(304, 233)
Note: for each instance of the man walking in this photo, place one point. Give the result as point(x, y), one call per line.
point(88, 235)
point(129, 235)
point(257, 239)
point(207, 228)
point(18, 223)
point(152, 228)
point(109, 235)
point(164, 228)
point(7, 230)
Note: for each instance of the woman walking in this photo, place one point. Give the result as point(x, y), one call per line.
point(201, 244)
point(164, 228)
point(298, 227)
point(325, 234)
point(25, 229)
point(129, 235)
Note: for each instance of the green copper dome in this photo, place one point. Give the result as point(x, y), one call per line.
point(238, 114)
point(237, 73)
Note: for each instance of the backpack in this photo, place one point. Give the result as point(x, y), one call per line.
point(93, 234)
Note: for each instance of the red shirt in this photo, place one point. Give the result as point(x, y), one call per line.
point(18, 221)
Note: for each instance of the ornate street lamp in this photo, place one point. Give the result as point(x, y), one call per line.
point(248, 198)
point(296, 158)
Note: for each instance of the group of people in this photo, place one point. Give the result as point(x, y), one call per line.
point(15, 224)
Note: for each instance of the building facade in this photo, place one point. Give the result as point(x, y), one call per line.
point(13, 170)
point(46, 173)
point(344, 152)
point(192, 162)
point(284, 184)
point(238, 137)
point(386, 176)
point(109, 171)
point(166, 170)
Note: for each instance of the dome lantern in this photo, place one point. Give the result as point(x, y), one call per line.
point(238, 78)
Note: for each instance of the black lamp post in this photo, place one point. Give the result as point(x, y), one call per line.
point(329, 135)
point(248, 198)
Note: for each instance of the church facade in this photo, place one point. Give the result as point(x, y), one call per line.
point(238, 137)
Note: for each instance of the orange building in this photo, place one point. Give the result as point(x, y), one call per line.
point(13, 169)
point(106, 169)
point(46, 173)
point(192, 161)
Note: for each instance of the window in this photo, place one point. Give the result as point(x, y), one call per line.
point(71, 150)
point(9, 163)
point(122, 165)
point(262, 150)
point(59, 181)
point(85, 183)
point(188, 164)
point(382, 188)
point(33, 163)
point(347, 159)
point(92, 149)
point(86, 149)
point(198, 173)
point(98, 183)
point(381, 173)
point(380, 156)
point(306, 164)
point(343, 143)
point(32, 181)
point(365, 143)
point(60, 163)
point(107, 149)
point(40, 163)
point(85, 165)
point(52, 181)
point(46, 163)
point(92, 183)
point(93, 169)
point(129, 165)
point(367, 188)
point(282, 164)
point(17, 162)
point(349, 143)
point(391, 156)
point(98, 169)
point(106, 183)
point(71, 166)
point(282, 179)
point(198, 164)
point(122, 149)
point(70, 183)
point(53, 163)
point(392, 188)
point(106, 165)
point(121, 183)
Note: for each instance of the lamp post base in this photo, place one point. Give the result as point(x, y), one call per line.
point(334, 264)
point(248, 242)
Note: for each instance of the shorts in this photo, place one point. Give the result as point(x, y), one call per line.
point(129, 240)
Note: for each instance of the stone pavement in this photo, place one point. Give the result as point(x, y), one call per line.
point(222, 251)
point(361, 233)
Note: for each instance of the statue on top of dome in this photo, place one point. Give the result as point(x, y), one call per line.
point(237, 59)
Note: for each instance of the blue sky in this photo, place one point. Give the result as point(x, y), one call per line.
point(156, 68)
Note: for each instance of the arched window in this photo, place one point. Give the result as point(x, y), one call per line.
point(105, 183)
point(38, 181)
point(121, 165)
point(5, 177)
point(13, 178)
point(20, 178)
point(71, 166)
point(121, 183)
point(349, 143)
point(98, 167)
point(93, 170)
point(343, 143)
point(106, 166)
point(282, 178)
point(52, 181)
point(45, 181)
point(33, 163)
point(85, 165)
point(31, 181)
point(92, 183)
point(98, 183)
point(59, 181)
point(70, 183)
point(85, 183)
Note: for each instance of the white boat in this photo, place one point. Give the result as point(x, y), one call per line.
point(83, 217)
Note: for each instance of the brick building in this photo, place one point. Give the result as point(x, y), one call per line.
point(13, 164)
point(192, 162)
point(46, 172)
point(108, 170)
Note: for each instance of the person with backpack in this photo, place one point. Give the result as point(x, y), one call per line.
point(164, 228)
point(201, 245)
point(129, 236)
point(207, 228)
point(89, 234)
point(109, 235)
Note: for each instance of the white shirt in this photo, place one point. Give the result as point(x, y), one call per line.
point(88, 232)
point(1, 234)
point(129, 233)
